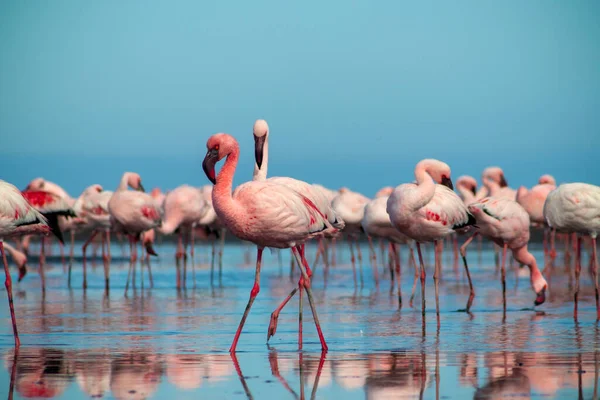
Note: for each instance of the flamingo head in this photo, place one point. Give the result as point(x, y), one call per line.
point(261, 131)
point(467, 182)
point(135, 181)
point(219, 146)
point(547, 179)
point(539, 286)
point(438, 170)
point(36, 184)
point(495, 174)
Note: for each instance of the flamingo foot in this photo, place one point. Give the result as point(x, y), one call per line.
point(272, 325)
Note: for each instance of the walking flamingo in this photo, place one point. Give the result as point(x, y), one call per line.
point(133, 212)
point(506, 223)
point(17, 217)
point(264, 213)
point(428, 211)
point(312, 193)
point(575, 208)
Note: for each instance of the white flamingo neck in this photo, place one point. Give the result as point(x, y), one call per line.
point(260, 174)
point(425, 186)
point(123, 185)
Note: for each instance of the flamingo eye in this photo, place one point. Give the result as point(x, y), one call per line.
point(217, 147)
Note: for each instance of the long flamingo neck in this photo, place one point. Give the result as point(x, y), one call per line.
point(425, 186)
point(492, 186)
point(223, 201)
point(523, 256)
point(260, 174)
point(467, 195)
point(123, 185)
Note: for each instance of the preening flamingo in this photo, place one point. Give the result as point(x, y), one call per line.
point(428, 211)
point(467, 187)
point(267, 214)
point(575, 208)
point(17, 218)
point(506, 223)
point(495, 182)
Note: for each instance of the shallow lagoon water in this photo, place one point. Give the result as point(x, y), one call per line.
point(166, 343)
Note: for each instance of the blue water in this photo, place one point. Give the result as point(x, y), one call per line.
point(162, 342)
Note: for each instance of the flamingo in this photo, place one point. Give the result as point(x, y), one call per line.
point(51, 207)
point(64, 223)
point(467, 187)
point(211, 223)
point(575, 208)
point(376, 223)
point(495, 182)
point(264, 213)
point(133, 212)
point(17, 217)
point(184, 206)
point(428, 211)
point(80, 222)
point(506, 223)
point(94, 208)
point(315, 195)
point(350, 206)
point(533, 202)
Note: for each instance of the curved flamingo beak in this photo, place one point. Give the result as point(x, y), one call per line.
point(22, 272)
point(140, 187)
point(259, 144)
point(541, 297)
point(447, 182)
point(473, 190)
point(208, 165)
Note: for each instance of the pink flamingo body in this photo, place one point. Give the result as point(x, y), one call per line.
point(575, 208)
point(506, 223)
point(428, 211)
point(533, 200)
point(133, 212)
point(261, 212)
point(17, 217)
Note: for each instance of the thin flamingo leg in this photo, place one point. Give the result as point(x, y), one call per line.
point(8, 285)
point(42, 265)
point(422, 279)
point(503, 272)
point(83, 250)
point(552, 244)
point(436, 277)
point(373, 255)
point(595, 276)
point(414, 287)
point(396, 257)
point(577, 273)
point(463, 253)
point(253, 294)
point(310, 297)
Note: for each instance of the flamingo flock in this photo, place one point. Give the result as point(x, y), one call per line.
point(286, 213)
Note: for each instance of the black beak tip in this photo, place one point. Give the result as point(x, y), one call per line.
point(447, 182)
point(541, 297)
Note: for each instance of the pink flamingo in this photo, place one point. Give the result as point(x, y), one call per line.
point(467, 187)
point(264, 213)
point(17, 218)
point(94, 208)
point(19, 258)
point(495, 182)
point(51, 187)
point(506, 223)
point(315, 195)
point(533, 202)
point(575, 208)
point(376, 223)
point(428, 211)
point(51, 207)
point(79, 223)
point(350, 206)
point(184, 206)
point(133, 212)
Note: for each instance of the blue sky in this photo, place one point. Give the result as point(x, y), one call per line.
point(355, 92)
